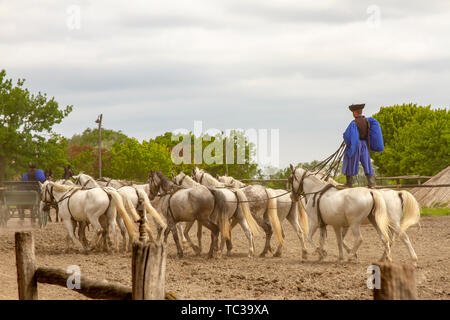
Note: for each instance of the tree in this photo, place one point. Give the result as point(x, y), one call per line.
point(25, 118)
point(416, 140)
point(133, 160)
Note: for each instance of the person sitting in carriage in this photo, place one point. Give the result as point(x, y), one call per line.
point(34, 174)
point(362, 135)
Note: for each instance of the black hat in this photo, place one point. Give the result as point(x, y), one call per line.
point(355, 107)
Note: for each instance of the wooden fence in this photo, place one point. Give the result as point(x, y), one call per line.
point(148, 273)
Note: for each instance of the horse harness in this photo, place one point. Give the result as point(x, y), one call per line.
point(318, 194)
point(67, 196)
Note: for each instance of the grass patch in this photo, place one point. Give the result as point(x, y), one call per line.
point(435, 211)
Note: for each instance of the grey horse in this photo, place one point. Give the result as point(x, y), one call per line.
point(262, 203)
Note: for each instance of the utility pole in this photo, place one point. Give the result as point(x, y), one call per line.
point(99, 121)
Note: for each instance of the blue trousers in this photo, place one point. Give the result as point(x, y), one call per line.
point(351, 164)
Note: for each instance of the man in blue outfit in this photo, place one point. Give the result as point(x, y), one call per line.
point(357, 139)
point(34, 174)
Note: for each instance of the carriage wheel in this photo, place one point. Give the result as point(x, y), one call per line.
point(3, 216)
point(43, 218)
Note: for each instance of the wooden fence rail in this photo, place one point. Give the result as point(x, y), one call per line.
point(397, 282)
point(148, 274)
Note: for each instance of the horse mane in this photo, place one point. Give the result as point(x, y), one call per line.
point(60, 187)
point(210, 178)
point(189, 178)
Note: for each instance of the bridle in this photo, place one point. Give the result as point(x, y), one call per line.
point(52, 201)
point(201, 178)
point(180, 183)
point(153, 185)
point(299, 192)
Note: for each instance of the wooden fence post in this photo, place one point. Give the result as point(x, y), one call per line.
point(26, 266)
point(148, 267)
point(397, 282)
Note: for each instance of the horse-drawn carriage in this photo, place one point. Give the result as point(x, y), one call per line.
point(16, 198)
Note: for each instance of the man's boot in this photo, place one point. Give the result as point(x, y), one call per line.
point(349, 182)
point(371, 181)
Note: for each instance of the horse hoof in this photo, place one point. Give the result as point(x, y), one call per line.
point(262, 255)
point(277, 254)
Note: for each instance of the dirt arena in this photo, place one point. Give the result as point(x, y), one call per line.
point(238, 277)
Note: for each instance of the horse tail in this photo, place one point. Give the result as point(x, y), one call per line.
point(303, 217)
point(411, 210)
point(243, 203)
point(122, 211)
point(273, 215)
point(222, 217)
point(150, 209)
point(380, 213)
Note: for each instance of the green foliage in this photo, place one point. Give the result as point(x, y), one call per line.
point(82, 159)
point(435, 211)
point(89, 137)
point(132, 160)
point(216, 147)
point(416, 140)
point(25, 119)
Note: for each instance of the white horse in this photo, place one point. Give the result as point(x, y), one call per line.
point(340, 209)
point(87, 205)
point(286, 209)
point(86, 181)
point(132, 197)
point(403, 211)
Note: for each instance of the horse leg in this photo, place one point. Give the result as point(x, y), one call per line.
point(187, 238)
point(94, 221)
point(387, 249)
point(323, 236)
point(214, 236)
point(358, 240)
point(82, 235)
point(404, 237)
point(280, 246)
point(239, 218)
point(123, 232)
point(199, 236)
point(57, 218)
point(71, 235)
point(344, 233)
point(104, 232)
point(338, 231)
point(268, 230)
point(293, 220)
point(172, 228)
point(111, 225)
point(181, 230)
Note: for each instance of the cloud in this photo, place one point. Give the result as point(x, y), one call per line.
point(152, 67)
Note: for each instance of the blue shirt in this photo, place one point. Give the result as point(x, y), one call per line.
point(40, 176)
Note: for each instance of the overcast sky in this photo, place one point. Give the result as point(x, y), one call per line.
point(154, 66)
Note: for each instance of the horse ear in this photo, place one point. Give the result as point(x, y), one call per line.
point(217, 176)
point(292, 167)
point(173, 175)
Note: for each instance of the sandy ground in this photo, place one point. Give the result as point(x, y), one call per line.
point(239, 277)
